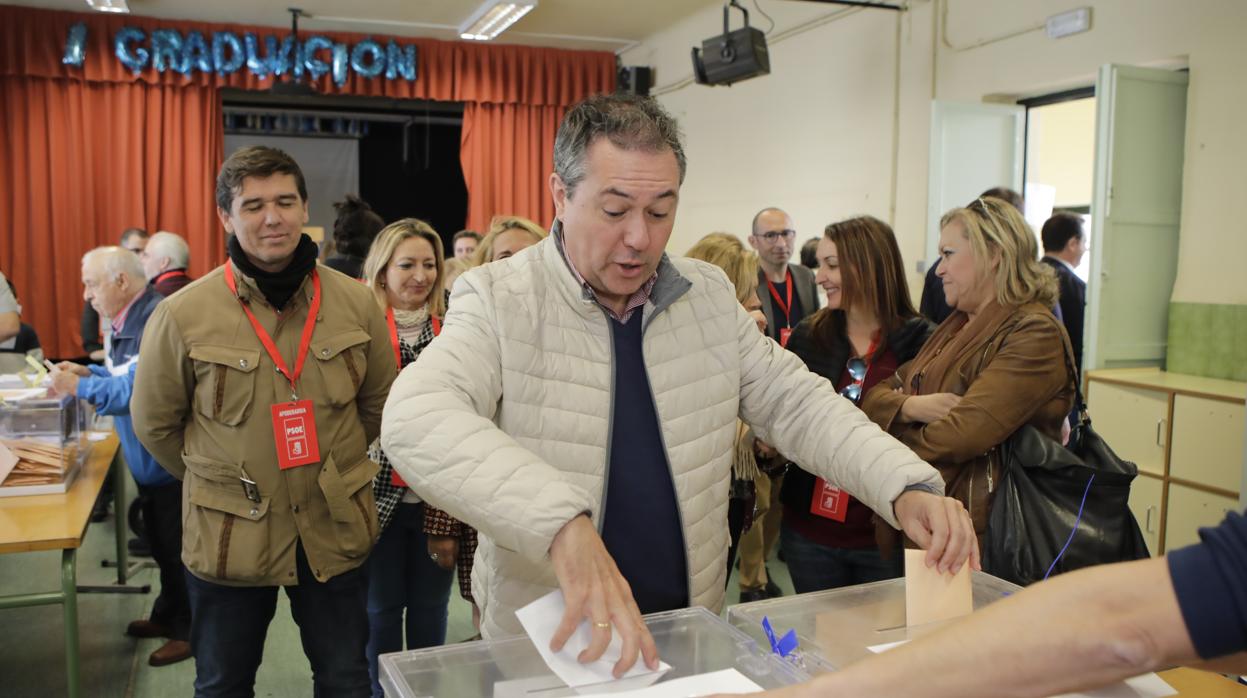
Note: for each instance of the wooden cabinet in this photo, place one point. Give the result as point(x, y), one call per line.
point(1190, 510)
point(1186, 435)
point(1146, 496)
point(1133, 421)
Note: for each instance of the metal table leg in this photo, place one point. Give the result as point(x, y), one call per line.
point(124, 568)
point(69, 590)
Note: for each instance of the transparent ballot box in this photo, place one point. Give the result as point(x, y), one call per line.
point(692, 641)
point(48, 436)
point(837, 627)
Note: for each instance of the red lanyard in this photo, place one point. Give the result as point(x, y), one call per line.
point(168, 275)
point(389, 319)
point(304, 344)
point(786, 307)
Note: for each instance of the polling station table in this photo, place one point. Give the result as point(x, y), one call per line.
point(59, 522)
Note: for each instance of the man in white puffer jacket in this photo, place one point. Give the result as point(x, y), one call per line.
point(579, 407)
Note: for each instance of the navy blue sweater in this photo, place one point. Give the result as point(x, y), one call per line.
point(1210, 579)
point(641, 525)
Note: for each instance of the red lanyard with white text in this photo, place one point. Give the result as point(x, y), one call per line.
point(784, 332)
point(829, 501)
point(294, 425)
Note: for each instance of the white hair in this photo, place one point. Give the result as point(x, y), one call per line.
point(169, 245)
point(116, 261)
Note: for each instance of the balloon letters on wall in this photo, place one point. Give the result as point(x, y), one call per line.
point(225, 53)
point(75, 45)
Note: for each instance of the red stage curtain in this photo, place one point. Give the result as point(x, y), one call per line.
point(507, 152)
point(94, 149)
point(84, 161)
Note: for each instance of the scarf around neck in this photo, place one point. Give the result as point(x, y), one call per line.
point(279, 286)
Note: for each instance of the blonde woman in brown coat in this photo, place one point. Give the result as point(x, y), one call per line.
point(997, 363)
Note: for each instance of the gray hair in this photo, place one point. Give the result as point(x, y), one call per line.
point(629, 121)
point(116, 261)
point(170, 245)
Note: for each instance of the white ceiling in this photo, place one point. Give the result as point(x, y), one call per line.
point(580, 24)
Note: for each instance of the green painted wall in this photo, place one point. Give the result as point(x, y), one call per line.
point(1207, 339)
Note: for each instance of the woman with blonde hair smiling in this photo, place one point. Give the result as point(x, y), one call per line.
point(999, 362)
point(411, 569)
point(507, 235)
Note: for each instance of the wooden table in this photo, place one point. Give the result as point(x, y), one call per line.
point(1192, 683)
point(59, 522)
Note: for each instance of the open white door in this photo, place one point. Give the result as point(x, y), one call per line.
point(1136, 208)
point(974, 147)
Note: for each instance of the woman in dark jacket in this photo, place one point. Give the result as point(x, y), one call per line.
point(867, 330)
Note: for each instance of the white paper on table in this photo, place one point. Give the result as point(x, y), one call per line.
point(541, 619)
point(1142, 686)
point(726, 681)
point(8, 460)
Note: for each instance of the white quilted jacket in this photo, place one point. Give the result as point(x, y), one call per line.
point(504, 421)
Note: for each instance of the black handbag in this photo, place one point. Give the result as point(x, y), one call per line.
point(1060, 508)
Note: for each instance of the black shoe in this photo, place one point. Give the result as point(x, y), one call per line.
point(139, 547)
point(772, 589)
point(751, 595)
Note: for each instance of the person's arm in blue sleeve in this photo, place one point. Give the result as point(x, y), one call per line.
point(100, 371)
point(1076, 631)
point(109, 394)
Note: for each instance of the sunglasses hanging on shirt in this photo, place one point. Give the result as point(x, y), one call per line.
point(857, 371)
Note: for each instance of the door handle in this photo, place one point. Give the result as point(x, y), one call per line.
point(1148, 526)
point(1160, 431)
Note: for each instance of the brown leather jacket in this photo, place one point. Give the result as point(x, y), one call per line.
point(1014, 372)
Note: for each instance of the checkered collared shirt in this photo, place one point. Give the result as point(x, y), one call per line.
point(636, 300)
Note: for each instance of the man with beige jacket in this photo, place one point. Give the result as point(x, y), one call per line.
point(579, 407)
point(266, 378)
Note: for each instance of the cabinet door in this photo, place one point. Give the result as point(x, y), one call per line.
point(1146, 494)
point(1133, 421)
point(1207, 442)
point(1191, 509)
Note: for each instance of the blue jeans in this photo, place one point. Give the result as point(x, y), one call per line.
point(815, 567)
point(402, 576)
point(229, 624)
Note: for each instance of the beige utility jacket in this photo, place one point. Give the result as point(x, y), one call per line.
point(202, 401)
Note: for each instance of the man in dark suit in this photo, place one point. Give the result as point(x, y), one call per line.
point(1064, 245)
point(787, 291)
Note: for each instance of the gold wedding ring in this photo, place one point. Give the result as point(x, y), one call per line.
point(603, 626)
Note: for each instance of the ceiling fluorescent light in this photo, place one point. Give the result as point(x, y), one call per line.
point(109, 6)
point(493, 17)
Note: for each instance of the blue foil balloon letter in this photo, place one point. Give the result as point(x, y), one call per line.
point(75, 45)
point(400, 60)
point(227, 40)
point(260, 66)
point(368, 58)
point(135, 60)
point(341, 64)
point(167, 51)
point(195, 53)
point(315, 66)
point(288, 58)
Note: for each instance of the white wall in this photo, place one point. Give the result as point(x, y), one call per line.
point(816, 136)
